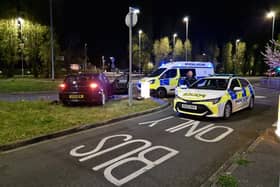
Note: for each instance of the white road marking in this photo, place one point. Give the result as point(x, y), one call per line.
point(201, 131)
point(216, 139)
point(122, 159)
point(141, 158)
point(155, 122)
point(74, 152)
point(260, 97)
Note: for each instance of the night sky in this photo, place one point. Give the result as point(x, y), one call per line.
point(101, 24)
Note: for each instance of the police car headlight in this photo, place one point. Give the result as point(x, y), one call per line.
point(214, 101)
point(152, 81)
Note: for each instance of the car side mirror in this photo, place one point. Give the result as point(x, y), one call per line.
point(237, 89)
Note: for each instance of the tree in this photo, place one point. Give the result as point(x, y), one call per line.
point(179, 52)
point(30, 39)
point(272, 54)
point(148, 67)
point(45, 55)
point(227, 58)
point(9, 45)
point(251, 60)
point(161, 50)
point(144, 55)
point(239, 58)
point(188, 46)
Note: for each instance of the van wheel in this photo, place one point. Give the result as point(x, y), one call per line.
point(227, 111)
point(161, 92)
point(251, 103)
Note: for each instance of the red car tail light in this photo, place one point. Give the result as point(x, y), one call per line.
point(62, 86)
point(93, 85)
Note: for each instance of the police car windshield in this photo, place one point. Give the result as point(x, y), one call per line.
point(157, 72)
point(211, 84)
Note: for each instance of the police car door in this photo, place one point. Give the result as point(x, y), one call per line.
point(169, 80)
point(235, 91)
point(246, 94)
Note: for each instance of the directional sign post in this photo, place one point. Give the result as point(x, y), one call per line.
point(130, 20)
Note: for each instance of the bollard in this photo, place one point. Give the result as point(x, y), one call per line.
point(277, 132)
point(145, 90)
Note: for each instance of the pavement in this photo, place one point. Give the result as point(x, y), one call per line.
point(157, 149)
point(263, 168)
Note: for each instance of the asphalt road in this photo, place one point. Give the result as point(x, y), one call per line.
point(169, 151)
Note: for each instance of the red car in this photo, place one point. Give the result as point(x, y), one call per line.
point(85, 88)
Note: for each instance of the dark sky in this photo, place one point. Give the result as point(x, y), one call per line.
point(101, 23)
point(210, 21)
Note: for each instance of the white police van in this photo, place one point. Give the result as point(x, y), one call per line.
point(165, 79)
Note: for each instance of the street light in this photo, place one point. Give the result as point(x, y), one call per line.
point(236, 49)
point(186, 20)
point(272, 15)
point(174, 39)
point(140, 37)
point(20, 20)
point(85, 65)
point(21, 45)
point(51, 40)
point(174, 42)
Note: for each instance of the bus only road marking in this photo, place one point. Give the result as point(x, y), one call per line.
point(194, 129)
point(117, 162)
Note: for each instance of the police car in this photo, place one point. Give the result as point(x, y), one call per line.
point(165, 79)
point(215, 96)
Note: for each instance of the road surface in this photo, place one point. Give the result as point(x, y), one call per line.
point(158, 149)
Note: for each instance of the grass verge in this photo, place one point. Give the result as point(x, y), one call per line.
point(23, 119)
point(227, 180)
point(27, 85)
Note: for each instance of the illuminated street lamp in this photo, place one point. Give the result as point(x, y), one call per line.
point(236, 49)
point(140, 37)
point(20, 22)
point(174, 42)
point(174, 39)
point(52, 40)
point(186, 20)
point(272, 15)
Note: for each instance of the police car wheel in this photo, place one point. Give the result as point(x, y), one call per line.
point(161, 92)
point(251, 103)
point(227, 111)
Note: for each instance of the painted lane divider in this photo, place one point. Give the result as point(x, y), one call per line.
point(123, 159)
point(155, 122)
point(194, 129)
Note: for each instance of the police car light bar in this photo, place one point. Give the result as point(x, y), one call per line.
point(224, 75)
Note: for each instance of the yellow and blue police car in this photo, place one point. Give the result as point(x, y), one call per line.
point(215, 96)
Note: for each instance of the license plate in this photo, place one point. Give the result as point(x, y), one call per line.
point(76, 96)
point(191, 107)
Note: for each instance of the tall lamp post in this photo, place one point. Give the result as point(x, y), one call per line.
point(21, 45)
point(52, 44)
point(235, 59)
point(272, 15)
point(85, 65)
point(174, 43)
point(186, 20)
point(140, 49)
